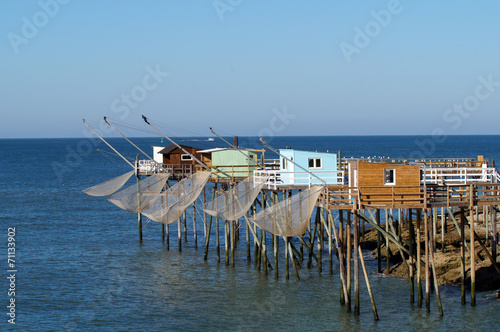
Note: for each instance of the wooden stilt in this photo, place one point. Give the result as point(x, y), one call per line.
point(247, 236)
point(356, 262)
point(372, 299)
point(287, 267)
point(139, 215)
point(388, 251)
point(163, 233)
point(494, 236)
point(411, 257)
point(379, 256)
point(419, 256)
point(330, 258)
point(179, 233)
point(226, 241)
point(167, 236)
point(320, 238)
point(472, 211)
point(434, 227)
point(348, 254)
point(427, 267)
point(431, 260)
point(217, 238)
point(294, 263)
point(233, 239)
point(443, 227)
point(184, 219)
point(276, 247)
point(209, 226)
point(264, 251)
point(195, 235)
point(204, 215)
point(311, 243)
point(472, 263)
point(462, 254)
point(344, 298)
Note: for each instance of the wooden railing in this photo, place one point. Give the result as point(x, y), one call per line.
point(344, 197)
point(232, 173)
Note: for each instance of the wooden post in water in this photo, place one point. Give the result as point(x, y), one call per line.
point(419, 258)
point(494, 233)
point(443, 227)
point(436, 286)
point(411, 257)
point(287, 273)
point(163, 233)
point(139, 215)
point(379, 258)
point(349, 255)
point(226, 241)
point(462, 254)
point(341, 242)
point(194, 226)
point(167, 235)
point(276, 247)
point(372, 299)
point(344, 298)
point(330, 258)
point(185, 226)
point(320, 238)
point(204, 215)
point(179, 233)
point(233, 239)
point(434, 228)
point(387, 267)
point(472, 262)
point(264, 251)
point(356, 261)
point(217, 238)
point(209, 226)
point(427, 267)
point(247, 236)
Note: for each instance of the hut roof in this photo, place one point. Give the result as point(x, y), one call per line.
point(170, 148)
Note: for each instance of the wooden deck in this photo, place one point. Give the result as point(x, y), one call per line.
point(410, 197)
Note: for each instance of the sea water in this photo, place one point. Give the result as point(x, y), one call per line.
point(79, 264)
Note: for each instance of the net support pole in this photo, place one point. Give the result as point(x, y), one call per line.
point(139, 215)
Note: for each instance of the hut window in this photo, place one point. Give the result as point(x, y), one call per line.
point(186, 157)
point(389, 176)
point(284, 162)
point(315, 163)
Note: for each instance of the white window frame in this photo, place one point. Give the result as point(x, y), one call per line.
point(315, 163)
point(285, 163)
point(393, 170)
point(186, 157)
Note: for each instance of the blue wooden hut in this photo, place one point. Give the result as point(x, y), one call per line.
point(323, 164)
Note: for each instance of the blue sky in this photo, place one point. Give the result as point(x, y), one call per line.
point(250, 67)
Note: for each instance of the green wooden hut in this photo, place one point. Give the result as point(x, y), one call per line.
point(233, 163)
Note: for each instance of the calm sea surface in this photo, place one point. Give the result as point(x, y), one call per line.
point(80, 266)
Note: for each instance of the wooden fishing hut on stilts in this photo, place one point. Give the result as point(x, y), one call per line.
point(275, 199)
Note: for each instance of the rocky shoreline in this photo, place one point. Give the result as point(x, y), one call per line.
point(447, 256)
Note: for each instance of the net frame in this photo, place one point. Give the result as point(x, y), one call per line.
point(141, 195)
point(290, 216)
point(109, 187)
point(171, 204)
point(234, 203)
